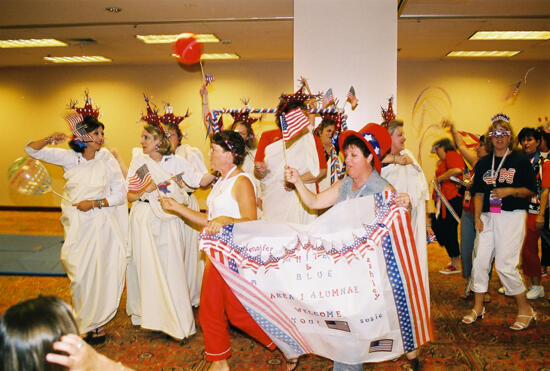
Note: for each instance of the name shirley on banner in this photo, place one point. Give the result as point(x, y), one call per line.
point(347, 286)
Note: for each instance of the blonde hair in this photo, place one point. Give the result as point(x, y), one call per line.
point(394, 124)
point(165, 147)
point(504, 124)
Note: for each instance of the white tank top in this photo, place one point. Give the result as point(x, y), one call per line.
point(220, 201)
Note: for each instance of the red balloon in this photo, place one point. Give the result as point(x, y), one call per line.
point(187, 50)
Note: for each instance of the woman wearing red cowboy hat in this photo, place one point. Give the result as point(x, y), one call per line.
point(363, 151)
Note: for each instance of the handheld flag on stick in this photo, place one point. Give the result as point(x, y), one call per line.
point(352, 98)
point(470, 140)
point(328, 98)
point(292, 123)
point(208, 78)
point(78, 127)
point(140, 179)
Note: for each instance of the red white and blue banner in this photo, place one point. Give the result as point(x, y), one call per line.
point(347, 286)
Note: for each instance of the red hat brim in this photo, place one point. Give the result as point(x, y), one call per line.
point(379, 132)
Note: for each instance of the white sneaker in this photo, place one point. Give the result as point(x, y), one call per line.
point(502, 290)
point(535, 292)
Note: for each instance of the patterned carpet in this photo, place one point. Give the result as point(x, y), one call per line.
point(485, 345)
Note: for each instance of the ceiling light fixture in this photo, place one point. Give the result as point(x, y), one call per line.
point(78, 59)
point(219, 56)
point(483, 53)
point(166, 39)
point(510, 35)
point(30, 43)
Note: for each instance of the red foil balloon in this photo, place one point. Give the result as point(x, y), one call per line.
point(187, 50)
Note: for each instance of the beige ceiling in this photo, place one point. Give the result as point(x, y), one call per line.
point(254, 29)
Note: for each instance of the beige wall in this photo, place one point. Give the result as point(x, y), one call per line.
point(477, 90)
point(32, 102)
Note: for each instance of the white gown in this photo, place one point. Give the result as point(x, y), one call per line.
point(193, 258)
point(95, 248)
point(280, 205)
point(410, 179)
point(157, 290)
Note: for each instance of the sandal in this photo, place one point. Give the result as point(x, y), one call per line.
point(519, 326)
point(291, 364)
point(469, 319)
point(96, 336)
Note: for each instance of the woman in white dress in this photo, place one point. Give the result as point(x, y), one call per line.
point(193, 259)
point(157, 293)
point(232, 200)
point(95, 222)
point(242, 124)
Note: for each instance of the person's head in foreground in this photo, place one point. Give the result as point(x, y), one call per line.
point(29, 329)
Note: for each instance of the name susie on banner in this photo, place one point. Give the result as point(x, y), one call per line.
point(347, 286)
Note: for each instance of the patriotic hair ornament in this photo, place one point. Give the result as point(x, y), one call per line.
point(376, 138)
point(244, 117)
point(499, 133)
point(500, 117)
point(387, 114)
point(88, 109)
point(169, 118)
point(298, 97)
point(152, 117)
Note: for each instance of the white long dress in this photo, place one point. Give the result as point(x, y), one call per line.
point(95, 248)
point(278, 204)
point(157, 290)
point(193, 258)
point(410, 179)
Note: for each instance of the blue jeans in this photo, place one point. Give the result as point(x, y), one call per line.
point(337, 366)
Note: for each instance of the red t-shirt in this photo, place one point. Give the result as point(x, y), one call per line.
point(274, 135)
point(452, 161)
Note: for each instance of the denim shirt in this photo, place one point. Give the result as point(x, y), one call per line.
point(374, 184)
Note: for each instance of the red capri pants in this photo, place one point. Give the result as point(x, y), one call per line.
point(218, 304)
point(530, 249)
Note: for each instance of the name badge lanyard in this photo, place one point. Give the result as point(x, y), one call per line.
point(495, 204)
point(493, 174)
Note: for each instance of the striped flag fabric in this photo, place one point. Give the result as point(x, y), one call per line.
point(470, 140)
point(140, 179)
point(209, 78)
point(357, 295)
point(78, 128)
point(292, 123)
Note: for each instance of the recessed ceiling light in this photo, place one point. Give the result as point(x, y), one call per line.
point(78, 59)
point(219, 56)
point(166, 39)
point(483, 53)
point(30, 43)
point(510, 35)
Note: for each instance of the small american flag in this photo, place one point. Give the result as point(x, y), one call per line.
point(209, 78)
point(351, 97)
point(292, 123)
point(384, 345)
point(327, 98)
point(78, 128)
point(140, 179)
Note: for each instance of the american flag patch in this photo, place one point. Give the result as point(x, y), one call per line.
point(383, 345)
point(338, 325)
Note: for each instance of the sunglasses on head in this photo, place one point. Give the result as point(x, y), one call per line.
point(499, 133)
